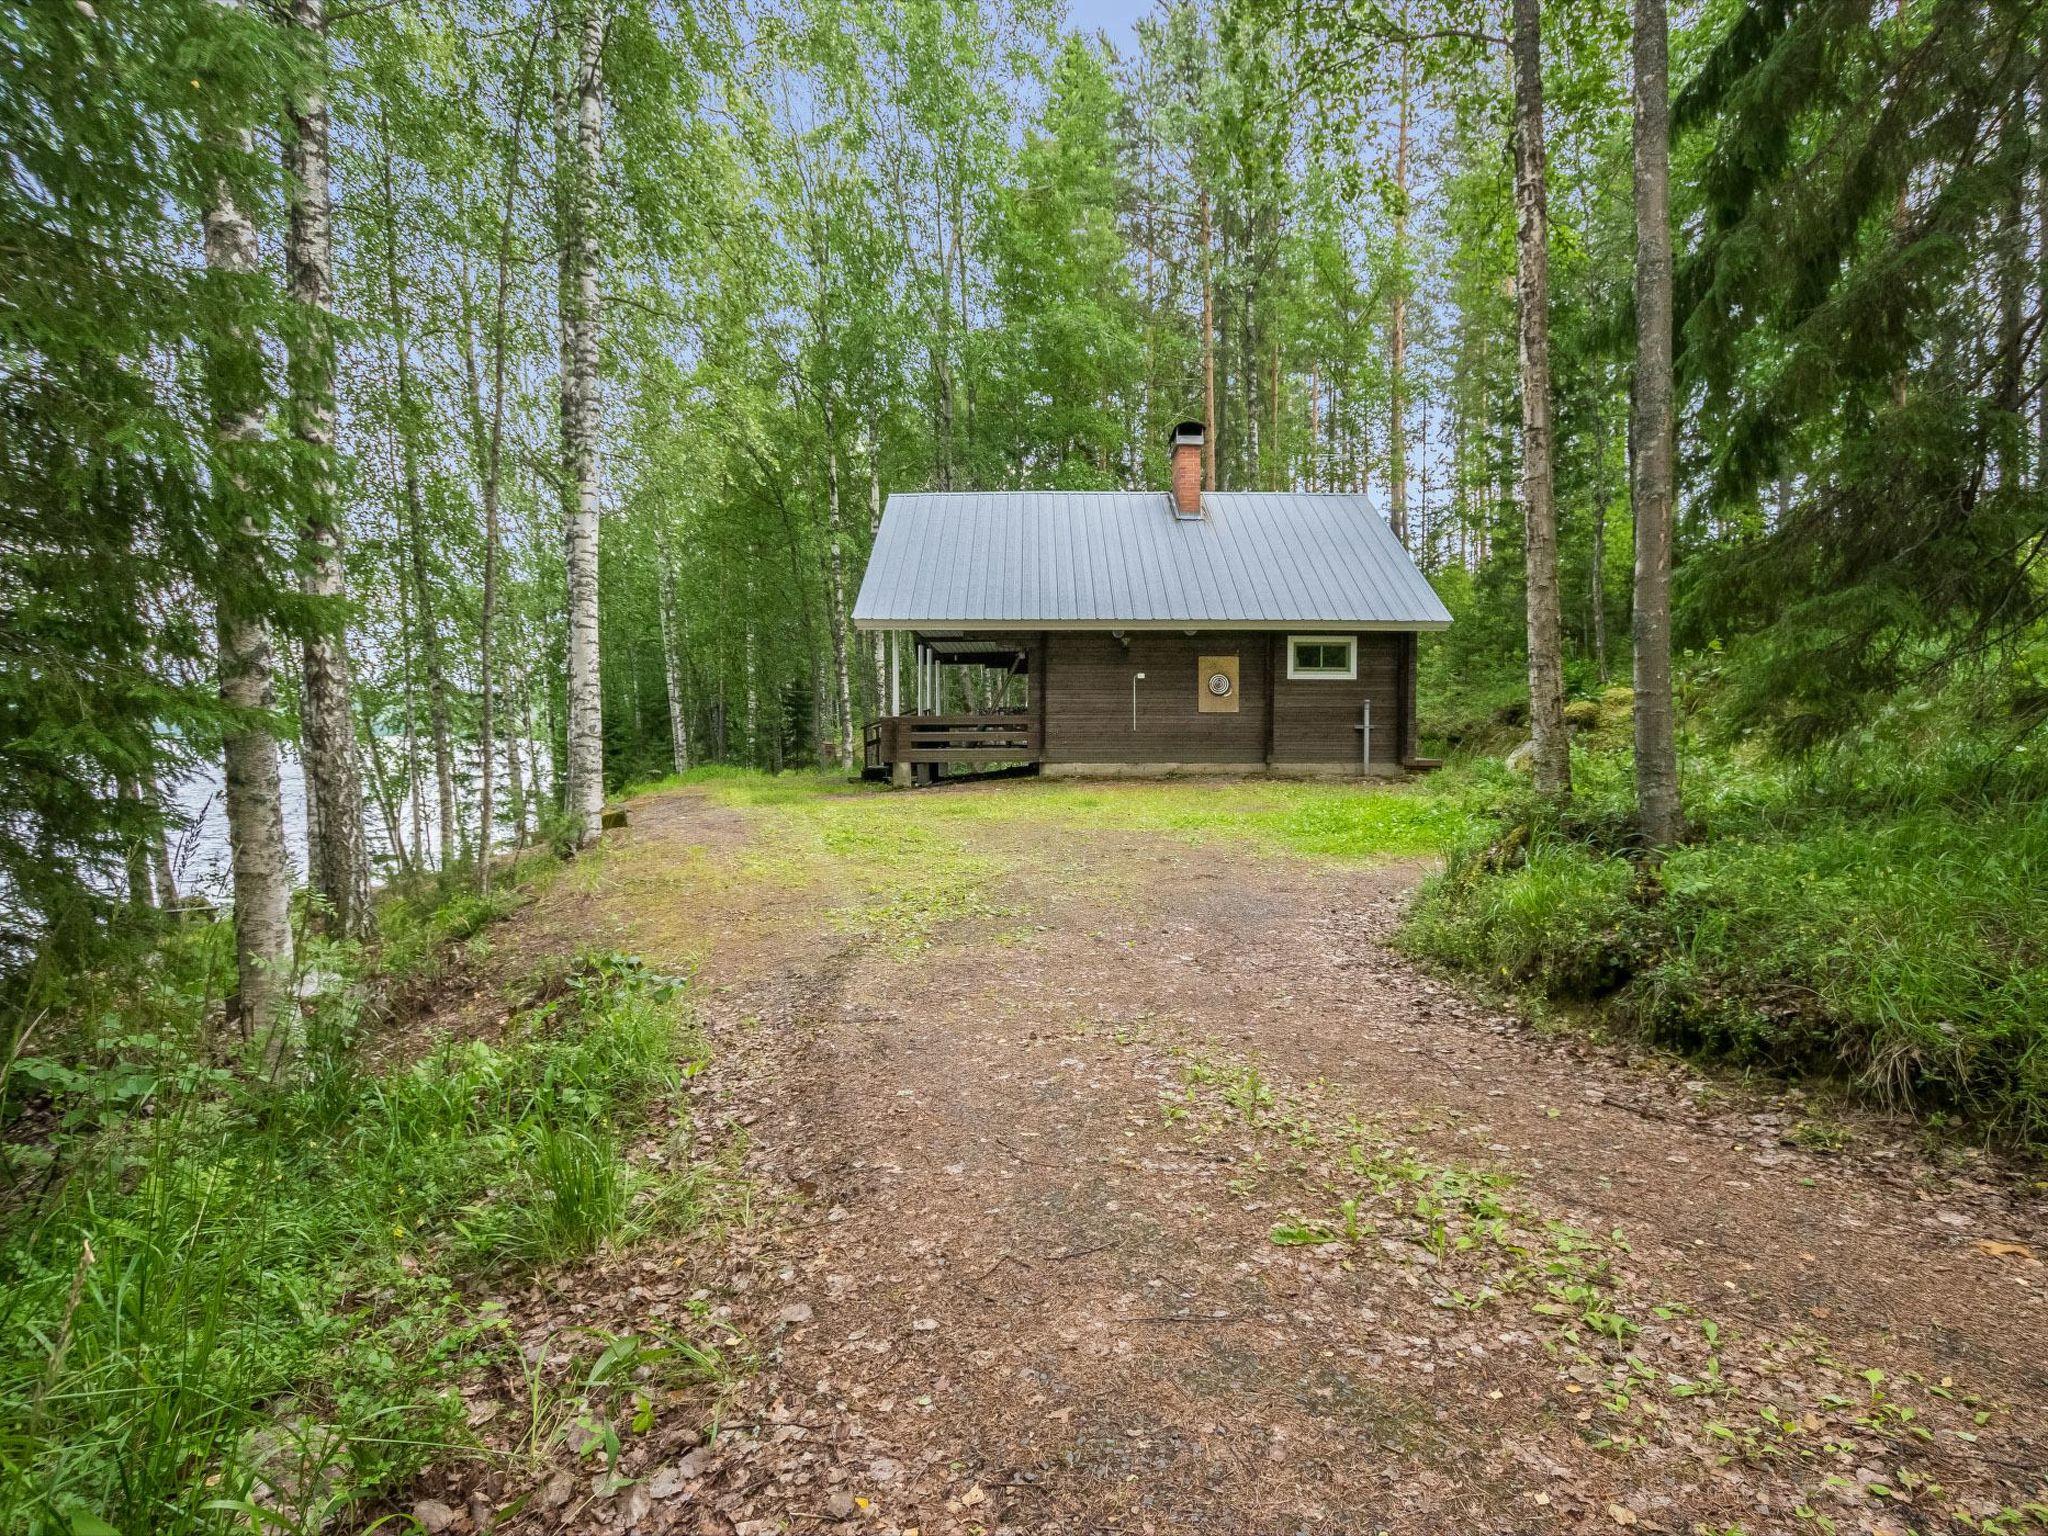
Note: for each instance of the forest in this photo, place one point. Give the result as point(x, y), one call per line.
point(424, 422)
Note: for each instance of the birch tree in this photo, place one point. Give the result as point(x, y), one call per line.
point(581, 144)
point(337, 858)
point(1397, 379)
point(262, 876)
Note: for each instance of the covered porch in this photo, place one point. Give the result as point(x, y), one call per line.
point(1003, 725)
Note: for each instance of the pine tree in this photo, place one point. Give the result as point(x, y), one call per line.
point(1553, 764)
point(1652, 431)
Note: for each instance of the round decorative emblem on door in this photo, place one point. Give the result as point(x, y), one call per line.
point(1219, 684)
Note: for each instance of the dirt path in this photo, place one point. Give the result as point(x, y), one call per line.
point(1135, 1184)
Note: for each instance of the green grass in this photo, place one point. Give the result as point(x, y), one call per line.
point(1334, 819)
point(1881, 917)
point(217, 1297)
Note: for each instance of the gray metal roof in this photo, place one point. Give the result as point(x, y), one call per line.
point(1097, 559)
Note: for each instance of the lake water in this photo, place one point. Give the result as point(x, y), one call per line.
point(199, 852)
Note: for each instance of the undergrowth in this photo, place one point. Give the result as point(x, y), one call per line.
point(1878, 914)
point(226, 1304)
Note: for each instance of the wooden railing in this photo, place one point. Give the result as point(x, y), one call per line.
point(966, 739)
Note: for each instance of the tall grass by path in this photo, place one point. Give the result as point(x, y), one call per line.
point(224, 1304)
point(1882, 918)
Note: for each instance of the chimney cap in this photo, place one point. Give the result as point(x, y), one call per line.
point(1190, 432)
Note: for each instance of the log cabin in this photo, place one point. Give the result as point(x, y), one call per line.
point(1144, 633)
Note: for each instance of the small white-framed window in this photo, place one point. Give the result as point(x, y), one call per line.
point(1322, 658)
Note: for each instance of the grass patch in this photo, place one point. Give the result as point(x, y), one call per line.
point(1867, 918)
point(225, 1304)
point(896, 870)
point(909, 832)
point(730, 785)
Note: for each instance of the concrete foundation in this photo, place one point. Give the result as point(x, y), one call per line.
point(1221, 770)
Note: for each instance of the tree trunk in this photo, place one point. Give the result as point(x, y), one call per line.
point(874, 457)
point(835, 595)
point(1553, 761)
point(753, 696)
point(528, 819)
point(2041, 295)
point(263, 1005)
point(134, 855)
point(1208, 350)
point(338, 863)
point(1599, 583)
point(515, 785)
point(1652, 433)
point(1397, 374)
point(387, 802)
point(672, 659)
point(160, 846)
point(1275, 480)
point(579, 318)
point(412, 730)
point(494, 460)
point(432, 658)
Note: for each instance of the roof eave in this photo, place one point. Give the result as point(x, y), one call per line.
point(1246, 626)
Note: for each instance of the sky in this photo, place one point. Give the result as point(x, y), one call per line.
point(1116, 17)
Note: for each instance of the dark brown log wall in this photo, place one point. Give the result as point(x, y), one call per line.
point(1084, 679)
point(1317, 720)
point(1088, 699)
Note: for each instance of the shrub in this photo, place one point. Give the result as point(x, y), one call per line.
point(1870, 914)
point(237, 1299)
point(1559, 920)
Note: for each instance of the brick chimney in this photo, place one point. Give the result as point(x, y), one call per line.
point(1187, 471)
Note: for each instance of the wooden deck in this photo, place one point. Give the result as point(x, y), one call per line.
point(967, 741)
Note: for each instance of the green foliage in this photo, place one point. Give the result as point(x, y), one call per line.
point(119, 127)
point(1559, 920)
point(1877, 914)
point(1855, 315)
point(417, 925)
point(226, 1298)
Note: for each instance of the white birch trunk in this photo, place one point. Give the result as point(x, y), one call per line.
point(1397, 402)
point(875, 522)
point(579, 304)
point(494, 459)
point(753, 692)
point(337, 855)
point(160, 846)
point(262, 875)
point(432, 657)
point(835, 560)
point(672, 659)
